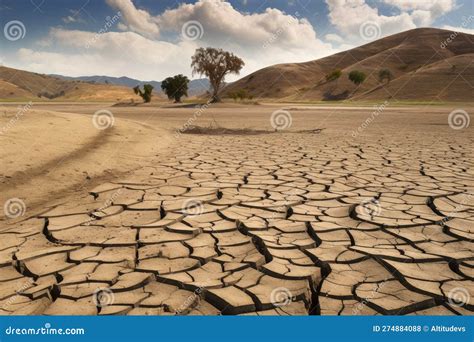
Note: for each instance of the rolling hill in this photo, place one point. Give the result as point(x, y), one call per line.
point(20, 84)
point(424, 64)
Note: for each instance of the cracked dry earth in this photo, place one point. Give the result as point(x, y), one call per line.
point(281, 224)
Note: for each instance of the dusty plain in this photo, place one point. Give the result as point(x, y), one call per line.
point(332, 215)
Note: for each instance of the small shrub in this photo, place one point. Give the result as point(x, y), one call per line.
point(385, 75)
point(240, 94)
point(357, 77)
point(333, 75)
point(51, 95)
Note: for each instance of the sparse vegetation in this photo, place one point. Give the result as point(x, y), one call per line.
point(357, 77)
point(146, 93)
point(215, 64)
point(215, 129)
point(51, 95)
point(233, 95)
point(385, 75)
point(175, 87)
point(333, 75)
point(240, 94)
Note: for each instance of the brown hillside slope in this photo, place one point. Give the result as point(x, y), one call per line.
point(450, 79)
point(407, 55)
point(20, 84)
point(12, 91)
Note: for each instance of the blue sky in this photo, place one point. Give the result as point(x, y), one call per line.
point(146, 40)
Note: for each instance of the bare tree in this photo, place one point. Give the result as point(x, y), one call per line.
point(215, 64)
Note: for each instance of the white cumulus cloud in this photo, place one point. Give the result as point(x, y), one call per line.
point(349, 16)
point(152, 47)
point(134, 19)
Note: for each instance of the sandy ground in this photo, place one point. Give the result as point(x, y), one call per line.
point(48, 155)
point(371, 215)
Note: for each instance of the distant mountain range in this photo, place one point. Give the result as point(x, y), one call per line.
point(195, 88)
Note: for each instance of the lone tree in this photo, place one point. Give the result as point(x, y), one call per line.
point(357, 77)
point(175, 87)
point(385, 74)
point(146, 93)
point(215, 64)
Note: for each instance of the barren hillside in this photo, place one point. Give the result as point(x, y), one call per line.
point(421, 61)
point(19, 84)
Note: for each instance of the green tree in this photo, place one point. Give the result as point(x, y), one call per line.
point(175, 87)
point(333, 75)
point(215, 64)
point(357, 77)
point(385, 75)
point(146, 93)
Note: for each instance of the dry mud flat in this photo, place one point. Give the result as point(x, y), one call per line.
point(279, 224)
